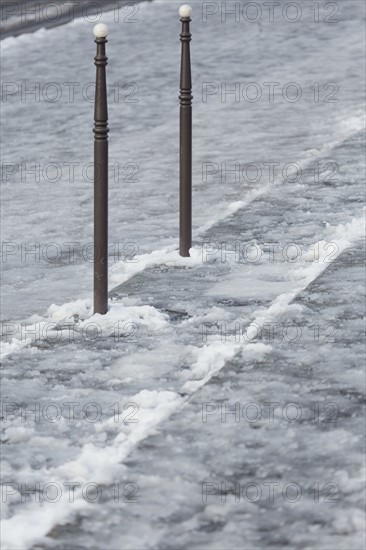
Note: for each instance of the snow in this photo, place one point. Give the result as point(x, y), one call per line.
point(185, 332)
point(267, 133)
point(185, 11)
point(100, 30)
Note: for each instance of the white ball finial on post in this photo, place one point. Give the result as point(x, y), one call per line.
point(100, 30)
point(185, 11)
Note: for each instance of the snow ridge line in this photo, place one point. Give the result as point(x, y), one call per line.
point(356, 122)
point(104, 463)
point(344, 236)
point(121, 272)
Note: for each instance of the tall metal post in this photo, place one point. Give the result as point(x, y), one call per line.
point(101, 174)
point(185, 231)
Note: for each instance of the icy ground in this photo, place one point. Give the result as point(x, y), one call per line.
point(170, 344)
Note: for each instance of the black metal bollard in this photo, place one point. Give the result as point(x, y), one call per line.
point(101, 174)
point(185, 231)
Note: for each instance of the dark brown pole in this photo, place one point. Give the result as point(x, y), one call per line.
point(185, 231)
point(101, 175)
